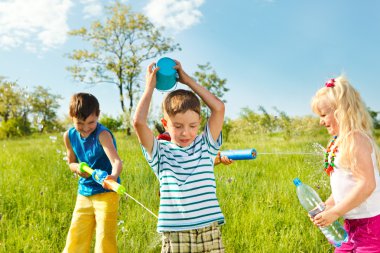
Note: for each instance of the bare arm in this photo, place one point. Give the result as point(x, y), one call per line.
point(71, 157)
point(144, 133)
point(329, 202)
point(105, 139)
point(363, 172)
point(215, 104)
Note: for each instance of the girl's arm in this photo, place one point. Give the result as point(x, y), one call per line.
point(215, 104)
point(329, 202)
point(105, 139)
point(71, 157)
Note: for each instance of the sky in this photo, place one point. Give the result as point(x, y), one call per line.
point(273, 53)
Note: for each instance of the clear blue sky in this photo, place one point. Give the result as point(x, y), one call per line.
point(273, 53)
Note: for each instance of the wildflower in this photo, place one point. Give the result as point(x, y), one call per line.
point(53, 138)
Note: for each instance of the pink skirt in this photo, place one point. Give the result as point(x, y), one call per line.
point(363, 236)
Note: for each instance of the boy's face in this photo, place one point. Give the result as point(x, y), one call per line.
point(85, 127)
point(182, 127)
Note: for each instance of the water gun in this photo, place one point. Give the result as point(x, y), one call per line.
point(244, 154)
point(100, 176)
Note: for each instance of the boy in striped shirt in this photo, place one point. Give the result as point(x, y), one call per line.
point(189, 214)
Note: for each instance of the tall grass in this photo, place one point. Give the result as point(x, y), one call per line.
point(38, 191)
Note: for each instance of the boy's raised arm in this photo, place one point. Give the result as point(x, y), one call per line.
point(144, 133)
point(215, 104)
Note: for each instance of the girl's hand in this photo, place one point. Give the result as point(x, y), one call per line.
point(325, 218)
point(182, 76)
point(150, 77)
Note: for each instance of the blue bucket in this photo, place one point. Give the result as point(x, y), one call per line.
point(166, 75)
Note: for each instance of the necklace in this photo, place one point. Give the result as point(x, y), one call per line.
point(329, 166)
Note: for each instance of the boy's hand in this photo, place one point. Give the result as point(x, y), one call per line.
point(224, 159)
point(151, 76)
point(107, 186)
point(82, 174)
point(182, 76)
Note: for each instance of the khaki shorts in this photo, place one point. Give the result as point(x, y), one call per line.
point(207, 239)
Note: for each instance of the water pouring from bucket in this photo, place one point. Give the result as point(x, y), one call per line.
point(166, 76)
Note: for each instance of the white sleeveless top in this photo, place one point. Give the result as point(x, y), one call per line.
point(342, 182)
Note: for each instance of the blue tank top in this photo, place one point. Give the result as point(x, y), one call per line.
point(90, 151)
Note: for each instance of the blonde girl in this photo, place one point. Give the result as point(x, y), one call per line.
point(352, 161)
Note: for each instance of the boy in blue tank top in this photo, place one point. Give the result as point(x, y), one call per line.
point(189, 214)
point(96, 208)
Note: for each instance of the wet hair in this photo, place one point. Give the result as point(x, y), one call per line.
point(83, 105)
point(351, 115)
point(180, 101)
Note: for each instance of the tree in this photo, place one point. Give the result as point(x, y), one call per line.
point(119, 47)
point(208, 78)
point(14, 109)
point(44, 106)
point(376, 122)
point(10, 101)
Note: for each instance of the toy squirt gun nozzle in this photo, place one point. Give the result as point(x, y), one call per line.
point(100, 176)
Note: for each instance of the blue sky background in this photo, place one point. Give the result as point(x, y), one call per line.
point(273, 53)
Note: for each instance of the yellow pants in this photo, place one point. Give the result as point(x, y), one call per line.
point(98, 211)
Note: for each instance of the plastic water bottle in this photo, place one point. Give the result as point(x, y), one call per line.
point(313, 204)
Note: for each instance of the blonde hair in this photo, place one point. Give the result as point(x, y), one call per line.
point(351, 115)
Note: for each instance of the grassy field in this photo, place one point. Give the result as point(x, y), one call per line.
point(37, 196)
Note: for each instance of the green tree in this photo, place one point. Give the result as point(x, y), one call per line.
point(118, 48)
point(14, 109)
point(44, 105)
point(10, 100)
point(376, 122)
point(208, 78)
point(266, 121)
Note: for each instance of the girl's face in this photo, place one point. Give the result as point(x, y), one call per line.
point(86, 127)
point(327, 118)
point(182, 127)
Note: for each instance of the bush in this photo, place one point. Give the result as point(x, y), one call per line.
point(15, 127)
point(111, 123)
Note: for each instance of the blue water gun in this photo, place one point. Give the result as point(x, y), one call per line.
point(244, 154)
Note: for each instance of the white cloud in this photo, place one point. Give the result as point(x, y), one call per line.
point(92, 8)
point(174, 14)
point(35, 25)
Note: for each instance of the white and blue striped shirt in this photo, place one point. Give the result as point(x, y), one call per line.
point(187, 183)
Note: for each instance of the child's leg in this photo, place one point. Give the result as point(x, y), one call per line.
point(82, 226)
point(106, 208)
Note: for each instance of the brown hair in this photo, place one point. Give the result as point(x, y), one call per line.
point(180, 101)
point(83, 105)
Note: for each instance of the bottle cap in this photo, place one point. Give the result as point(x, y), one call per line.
point(297, 181)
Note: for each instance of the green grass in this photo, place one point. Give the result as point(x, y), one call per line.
point(258, 199)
